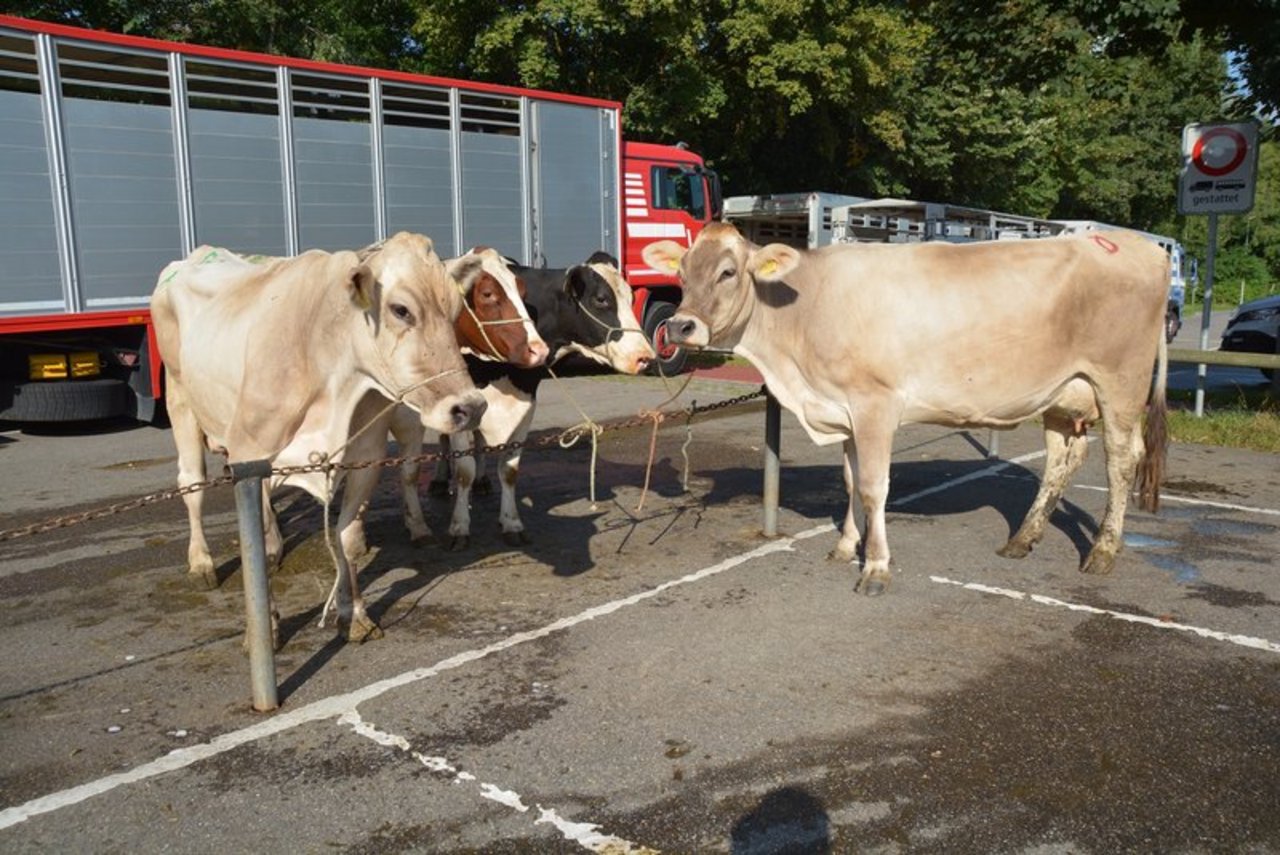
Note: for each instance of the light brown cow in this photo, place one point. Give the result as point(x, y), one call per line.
point(856, 340)
point(278, 360)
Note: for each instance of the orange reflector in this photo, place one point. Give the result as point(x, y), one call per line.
point(48, 366)
point(86, 363)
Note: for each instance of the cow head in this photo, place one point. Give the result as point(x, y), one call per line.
point(718, 274)
point(494, 322)
point(605, 328)
point(409, 303)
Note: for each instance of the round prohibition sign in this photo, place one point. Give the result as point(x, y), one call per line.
point(1240, 145)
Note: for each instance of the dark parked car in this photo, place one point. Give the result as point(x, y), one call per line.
point(1254, 328)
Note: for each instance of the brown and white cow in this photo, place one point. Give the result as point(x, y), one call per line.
point(278, 359)
point(495, 327)
point(856, 340)
point(585, 309)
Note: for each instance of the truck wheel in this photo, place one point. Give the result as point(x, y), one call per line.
point(64, 401)
point(671, 359)
point(1172, 323)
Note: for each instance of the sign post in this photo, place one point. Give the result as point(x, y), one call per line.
point(1219, 169)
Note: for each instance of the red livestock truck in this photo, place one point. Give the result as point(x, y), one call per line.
point(122, 154)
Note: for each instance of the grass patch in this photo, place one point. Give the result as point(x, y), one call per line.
point(1240, 419)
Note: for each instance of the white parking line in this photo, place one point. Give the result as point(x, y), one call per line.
point(585, 834)
point(1041, 599)
point(338, 705)
point(1187, 500)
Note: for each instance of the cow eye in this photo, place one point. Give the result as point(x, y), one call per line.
point(728, 273)
point(601, 301)
point(401, 312)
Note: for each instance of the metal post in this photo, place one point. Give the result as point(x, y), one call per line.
point(993, 442)
point(1202, 369)
point(772, 465)
point(253, 567)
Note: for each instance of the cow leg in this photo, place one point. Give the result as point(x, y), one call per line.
point(189, 440)
point(1066, 448)
point(847, 547)
point(439, 486)
point(1123, 440)
point(513, 533)
point(875, 449)
point(360, 484)
point(464, 468)
point(271, 530)
point(407, 428)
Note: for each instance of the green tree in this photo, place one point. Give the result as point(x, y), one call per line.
point(363, 32)
point(780, 94)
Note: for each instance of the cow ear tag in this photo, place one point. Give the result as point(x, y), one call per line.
point(769, 268)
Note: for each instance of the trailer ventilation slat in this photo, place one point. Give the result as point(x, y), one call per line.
point(113, 74)
point(490, 114)
point(318, 96)
point(18, 69)
point(415, 106)
point(231, 87)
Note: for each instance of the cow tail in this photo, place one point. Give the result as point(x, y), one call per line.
point(1155, 435)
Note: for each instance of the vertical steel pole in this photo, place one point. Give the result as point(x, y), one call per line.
point(1202, 369)
point(772, 465)
point(253, 568)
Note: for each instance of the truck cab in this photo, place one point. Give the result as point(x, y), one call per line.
point(668, 194)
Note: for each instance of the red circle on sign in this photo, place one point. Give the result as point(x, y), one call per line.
point(1197, 152)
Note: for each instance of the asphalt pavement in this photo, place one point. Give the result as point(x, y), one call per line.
point(650, 673)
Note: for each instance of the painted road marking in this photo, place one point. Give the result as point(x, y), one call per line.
point(1187, 500)
point(585, 834)
point(338, 705)
point(1041, 599)
point(964, 479)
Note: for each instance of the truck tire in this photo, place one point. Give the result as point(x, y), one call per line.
point(1172, 323)
point(64, 401)
point(671, 359)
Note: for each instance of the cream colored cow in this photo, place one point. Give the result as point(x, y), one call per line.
point(277, 359)
point(856, 340)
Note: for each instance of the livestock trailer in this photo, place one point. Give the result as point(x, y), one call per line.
point(121, 154)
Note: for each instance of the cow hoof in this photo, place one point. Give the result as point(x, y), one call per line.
point(422, 539)
point(842, 555)
point(516, 538)
point(1098, 564)
point(1014, 550)
point(483, 486)
point(872, 586)
point(203, 579)
point(363, 629)
point(439, 489)
point(459, 542)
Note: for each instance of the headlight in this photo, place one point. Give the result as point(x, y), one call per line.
point(1256, 315)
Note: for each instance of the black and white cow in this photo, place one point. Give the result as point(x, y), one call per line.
point(585, 309)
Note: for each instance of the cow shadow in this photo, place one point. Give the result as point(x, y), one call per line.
point(817, 491)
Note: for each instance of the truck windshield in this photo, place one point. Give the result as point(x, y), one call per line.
point(677, 190)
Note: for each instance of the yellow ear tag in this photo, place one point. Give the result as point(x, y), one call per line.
point(768, 268)
point(672, 264)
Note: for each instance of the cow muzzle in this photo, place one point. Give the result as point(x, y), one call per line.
point(687, 331)
point(456, 413)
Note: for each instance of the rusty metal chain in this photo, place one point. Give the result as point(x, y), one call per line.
point(566, 438)
point(112, 510)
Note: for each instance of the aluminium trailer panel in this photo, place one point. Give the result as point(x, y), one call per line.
point(123, 154)
point(801, 220)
